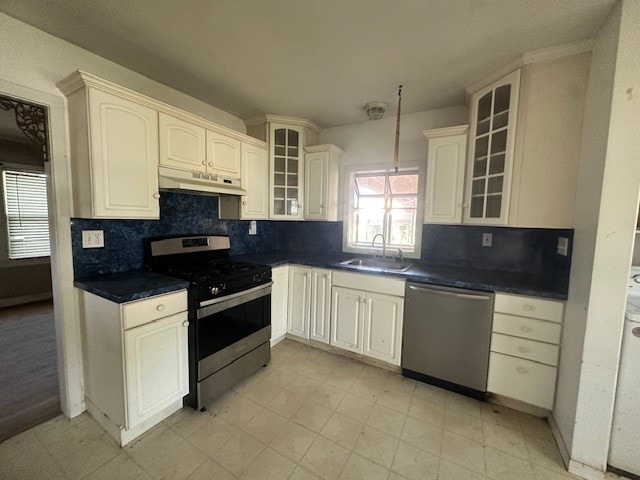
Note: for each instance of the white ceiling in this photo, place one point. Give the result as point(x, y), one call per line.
point(317, 59)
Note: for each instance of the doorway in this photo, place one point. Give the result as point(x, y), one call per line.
point(28, 363)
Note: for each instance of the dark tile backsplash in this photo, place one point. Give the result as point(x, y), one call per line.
point(180, 214)
point(517, 250)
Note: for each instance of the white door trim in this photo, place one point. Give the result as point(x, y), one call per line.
point(68, 339)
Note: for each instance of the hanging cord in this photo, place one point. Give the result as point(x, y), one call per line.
point(397, 145)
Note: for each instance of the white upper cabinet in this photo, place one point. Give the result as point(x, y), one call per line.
point(182, 144)
point(322, 171)
point(223, 155)
point(287, 138)
point(255, 180)
point(287, 167)
point(446, 160)
point(525, 173)
point(493, 122)
point(114, 155)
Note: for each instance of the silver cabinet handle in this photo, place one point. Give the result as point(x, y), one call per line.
point(522, 370)
point(524, 328)
point(185, 323)
point(210, 164)
point(204, 162)
point(156, 195)
point(636, 332)
point(523, 349)
point(160, 308)
point(244, 202)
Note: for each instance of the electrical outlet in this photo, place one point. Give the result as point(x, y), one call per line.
point(93, 239)
point(253, 227)
point(563, 246)
point(487, 239)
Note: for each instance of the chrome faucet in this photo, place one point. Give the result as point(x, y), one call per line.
point(384, 245)
point(401, 255)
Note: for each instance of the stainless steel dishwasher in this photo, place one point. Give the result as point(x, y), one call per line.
point(447, 336)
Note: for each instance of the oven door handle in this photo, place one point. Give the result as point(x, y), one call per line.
point(216, 305)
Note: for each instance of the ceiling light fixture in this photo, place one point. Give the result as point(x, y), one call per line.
point(375, 110)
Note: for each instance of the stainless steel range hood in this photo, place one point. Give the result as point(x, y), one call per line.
point(197, 182)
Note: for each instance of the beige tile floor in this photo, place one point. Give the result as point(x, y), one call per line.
point(308, 415)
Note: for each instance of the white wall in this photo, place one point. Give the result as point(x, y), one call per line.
point(606, 207)
point(372, 141)
point(33, 58)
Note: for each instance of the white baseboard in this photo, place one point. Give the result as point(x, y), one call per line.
point(36, 297)
point(275, 341)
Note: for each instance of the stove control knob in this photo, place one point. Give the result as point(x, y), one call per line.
point(215, 290)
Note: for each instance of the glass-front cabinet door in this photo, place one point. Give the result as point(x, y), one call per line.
point(287, 171)
point(491, 146)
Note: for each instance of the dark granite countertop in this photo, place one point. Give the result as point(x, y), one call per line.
point(448, 276)
point(125, 287)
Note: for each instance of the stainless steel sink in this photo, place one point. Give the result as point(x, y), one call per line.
point(377, 264)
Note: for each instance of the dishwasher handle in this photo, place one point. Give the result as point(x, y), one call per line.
point(444, 293)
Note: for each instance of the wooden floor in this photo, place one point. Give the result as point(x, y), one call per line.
point(29, 392)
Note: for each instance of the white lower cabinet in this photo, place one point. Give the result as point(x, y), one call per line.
point(525, 349)
point(368, 320)
point(309, 303)
point(135, 376)
point(320, 313)
point(347, 315)
point(383, 327)
point(279, 299)
point(155, 359)
point(299, 301)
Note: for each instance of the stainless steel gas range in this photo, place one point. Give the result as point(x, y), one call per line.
point(229, 311)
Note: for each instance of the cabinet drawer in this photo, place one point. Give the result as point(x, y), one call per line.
point(532, 307)
point(523, 348)
point(524, 327)
point(369, 283)
point(522, 380)
point(150, 309)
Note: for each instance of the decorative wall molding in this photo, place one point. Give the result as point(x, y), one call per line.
point(446, 131)
point(268, 118)
point(30, 118)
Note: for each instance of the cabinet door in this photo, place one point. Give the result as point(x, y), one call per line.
point(182, 145)
point(347, 313)
point(315, 192)
point(299, 299)
point(286, 144)
point(320, 305)
point(279, 299)
point(156, 366)
point(493, 126)
point(124, 150)
point(223, 155)
point(255, 180)
point(383, 327)
point(445, 179)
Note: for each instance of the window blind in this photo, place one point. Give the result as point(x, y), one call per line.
point(25, 204)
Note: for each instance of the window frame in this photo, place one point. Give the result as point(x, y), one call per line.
point(5, 260)
point(348, 227)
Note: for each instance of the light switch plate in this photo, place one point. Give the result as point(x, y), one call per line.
point(253, 227)
point(487, 239)
point(93, 239)
point(563, 246)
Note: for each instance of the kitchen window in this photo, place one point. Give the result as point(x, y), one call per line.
point(26, 213)
point(387, 203)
